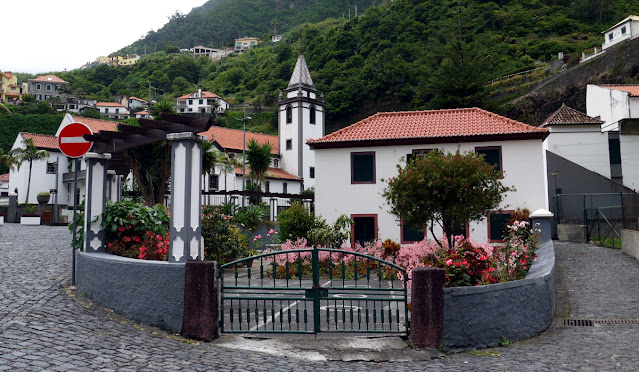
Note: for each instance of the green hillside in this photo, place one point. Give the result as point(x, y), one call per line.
point(219, 22)
point(400, 55)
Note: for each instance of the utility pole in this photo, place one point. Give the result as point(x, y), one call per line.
point(244, 120)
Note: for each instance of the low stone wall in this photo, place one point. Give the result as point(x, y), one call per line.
point(630, 242)
point(479, 317)
point(572, 233)
point(151, 292)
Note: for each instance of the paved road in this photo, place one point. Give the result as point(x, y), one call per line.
point(44, 325)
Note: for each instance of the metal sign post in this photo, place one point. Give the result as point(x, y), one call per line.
point(72, 143)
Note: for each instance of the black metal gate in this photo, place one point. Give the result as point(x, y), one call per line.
point(311, 291)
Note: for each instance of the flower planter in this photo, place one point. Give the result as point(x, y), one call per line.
point(30, 220)
point(43, 199)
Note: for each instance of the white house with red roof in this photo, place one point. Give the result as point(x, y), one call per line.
point(200, 102)
point(231, 141)
point(352, 163)
point(617, 106)
point(113, 110)
point(43, 172)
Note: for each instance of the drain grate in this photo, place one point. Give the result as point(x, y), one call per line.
point(591, 322)
point(577, 322)
point(617, 321)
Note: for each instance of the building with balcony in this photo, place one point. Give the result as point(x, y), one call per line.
point(113, 110)
point(47, 86)
point(200, 102)
point(9, 88)
point(245, 43)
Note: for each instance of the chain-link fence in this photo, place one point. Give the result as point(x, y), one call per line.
point(604, 215)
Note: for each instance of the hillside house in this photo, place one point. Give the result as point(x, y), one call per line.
point(9, 88)
point(200, 102)
point(113, 110)
point(627, 29)
point(352, 162)
point(245, 43)
point(48, 86)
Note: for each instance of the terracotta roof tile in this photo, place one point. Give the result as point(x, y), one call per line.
point(436, 125)
point(48, 78)
point(205, 94)
point(42, 141)
point(631, 89)
point(569, 116)
point(276, 173)
point(231, 139)
point(109, 104)
point(97, 125)
point(138, 99)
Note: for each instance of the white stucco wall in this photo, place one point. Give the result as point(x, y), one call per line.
point(609, 105)
point(585, 145)
point(629, 145)
point(289, 158)
point(632, 31)
point(523, 163)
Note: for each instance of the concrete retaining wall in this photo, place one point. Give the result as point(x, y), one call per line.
point(151, 292)
point(572, 233)
point(478, 317)
point(630, 242)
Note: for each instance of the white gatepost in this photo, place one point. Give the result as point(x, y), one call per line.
point(186, 197)
point(95, 201)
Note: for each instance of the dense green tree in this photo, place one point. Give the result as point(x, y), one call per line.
point(447, 189)
point(259, 158)
point(29, 153)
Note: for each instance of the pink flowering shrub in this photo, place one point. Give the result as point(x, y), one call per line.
point(467, 263)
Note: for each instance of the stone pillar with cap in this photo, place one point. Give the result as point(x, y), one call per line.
point(114, 186)
point(542, 217)
point(95, 201)
point(186, 197)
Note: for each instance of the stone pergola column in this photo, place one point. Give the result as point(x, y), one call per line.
point(114, 186)
point(186, 197)
point(95, 201)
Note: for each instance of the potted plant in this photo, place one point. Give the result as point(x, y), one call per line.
point(43, 197)
point(30, 218)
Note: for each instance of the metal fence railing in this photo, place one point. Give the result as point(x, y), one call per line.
point(604, 215)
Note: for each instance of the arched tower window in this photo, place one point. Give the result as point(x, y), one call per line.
point(312, 115)
point(289, 114)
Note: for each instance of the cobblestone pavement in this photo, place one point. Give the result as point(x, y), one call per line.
point(44, 325)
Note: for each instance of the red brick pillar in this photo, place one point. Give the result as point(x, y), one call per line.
point(200, 317)
point(427, 307)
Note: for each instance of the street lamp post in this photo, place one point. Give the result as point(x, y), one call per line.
point(554, 174)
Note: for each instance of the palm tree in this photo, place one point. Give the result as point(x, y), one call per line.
point(29, 153)
point(151, 164)
point(227, 165)
point(259, 158)
point(5, 108)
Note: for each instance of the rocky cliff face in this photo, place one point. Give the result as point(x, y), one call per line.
point(618, 65)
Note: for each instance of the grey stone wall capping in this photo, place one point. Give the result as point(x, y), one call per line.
point(514, 310)
point(122, 284)
point(185, 136)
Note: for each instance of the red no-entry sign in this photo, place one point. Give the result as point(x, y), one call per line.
point(71, 142)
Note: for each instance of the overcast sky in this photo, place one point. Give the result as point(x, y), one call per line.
point(42, 35)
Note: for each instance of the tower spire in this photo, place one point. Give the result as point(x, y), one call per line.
point(301, 76)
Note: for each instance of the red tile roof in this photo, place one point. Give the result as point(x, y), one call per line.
point(631, 89)
point(8, 75)
point(4, 177)
point(42, 141)
point(48, 78)
point(231, 139)
point(569, 116)
point(109, 104)
point(275, 173)
point(205, 94)
point(97, 125)
point(138, 99)
point(433, 126)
